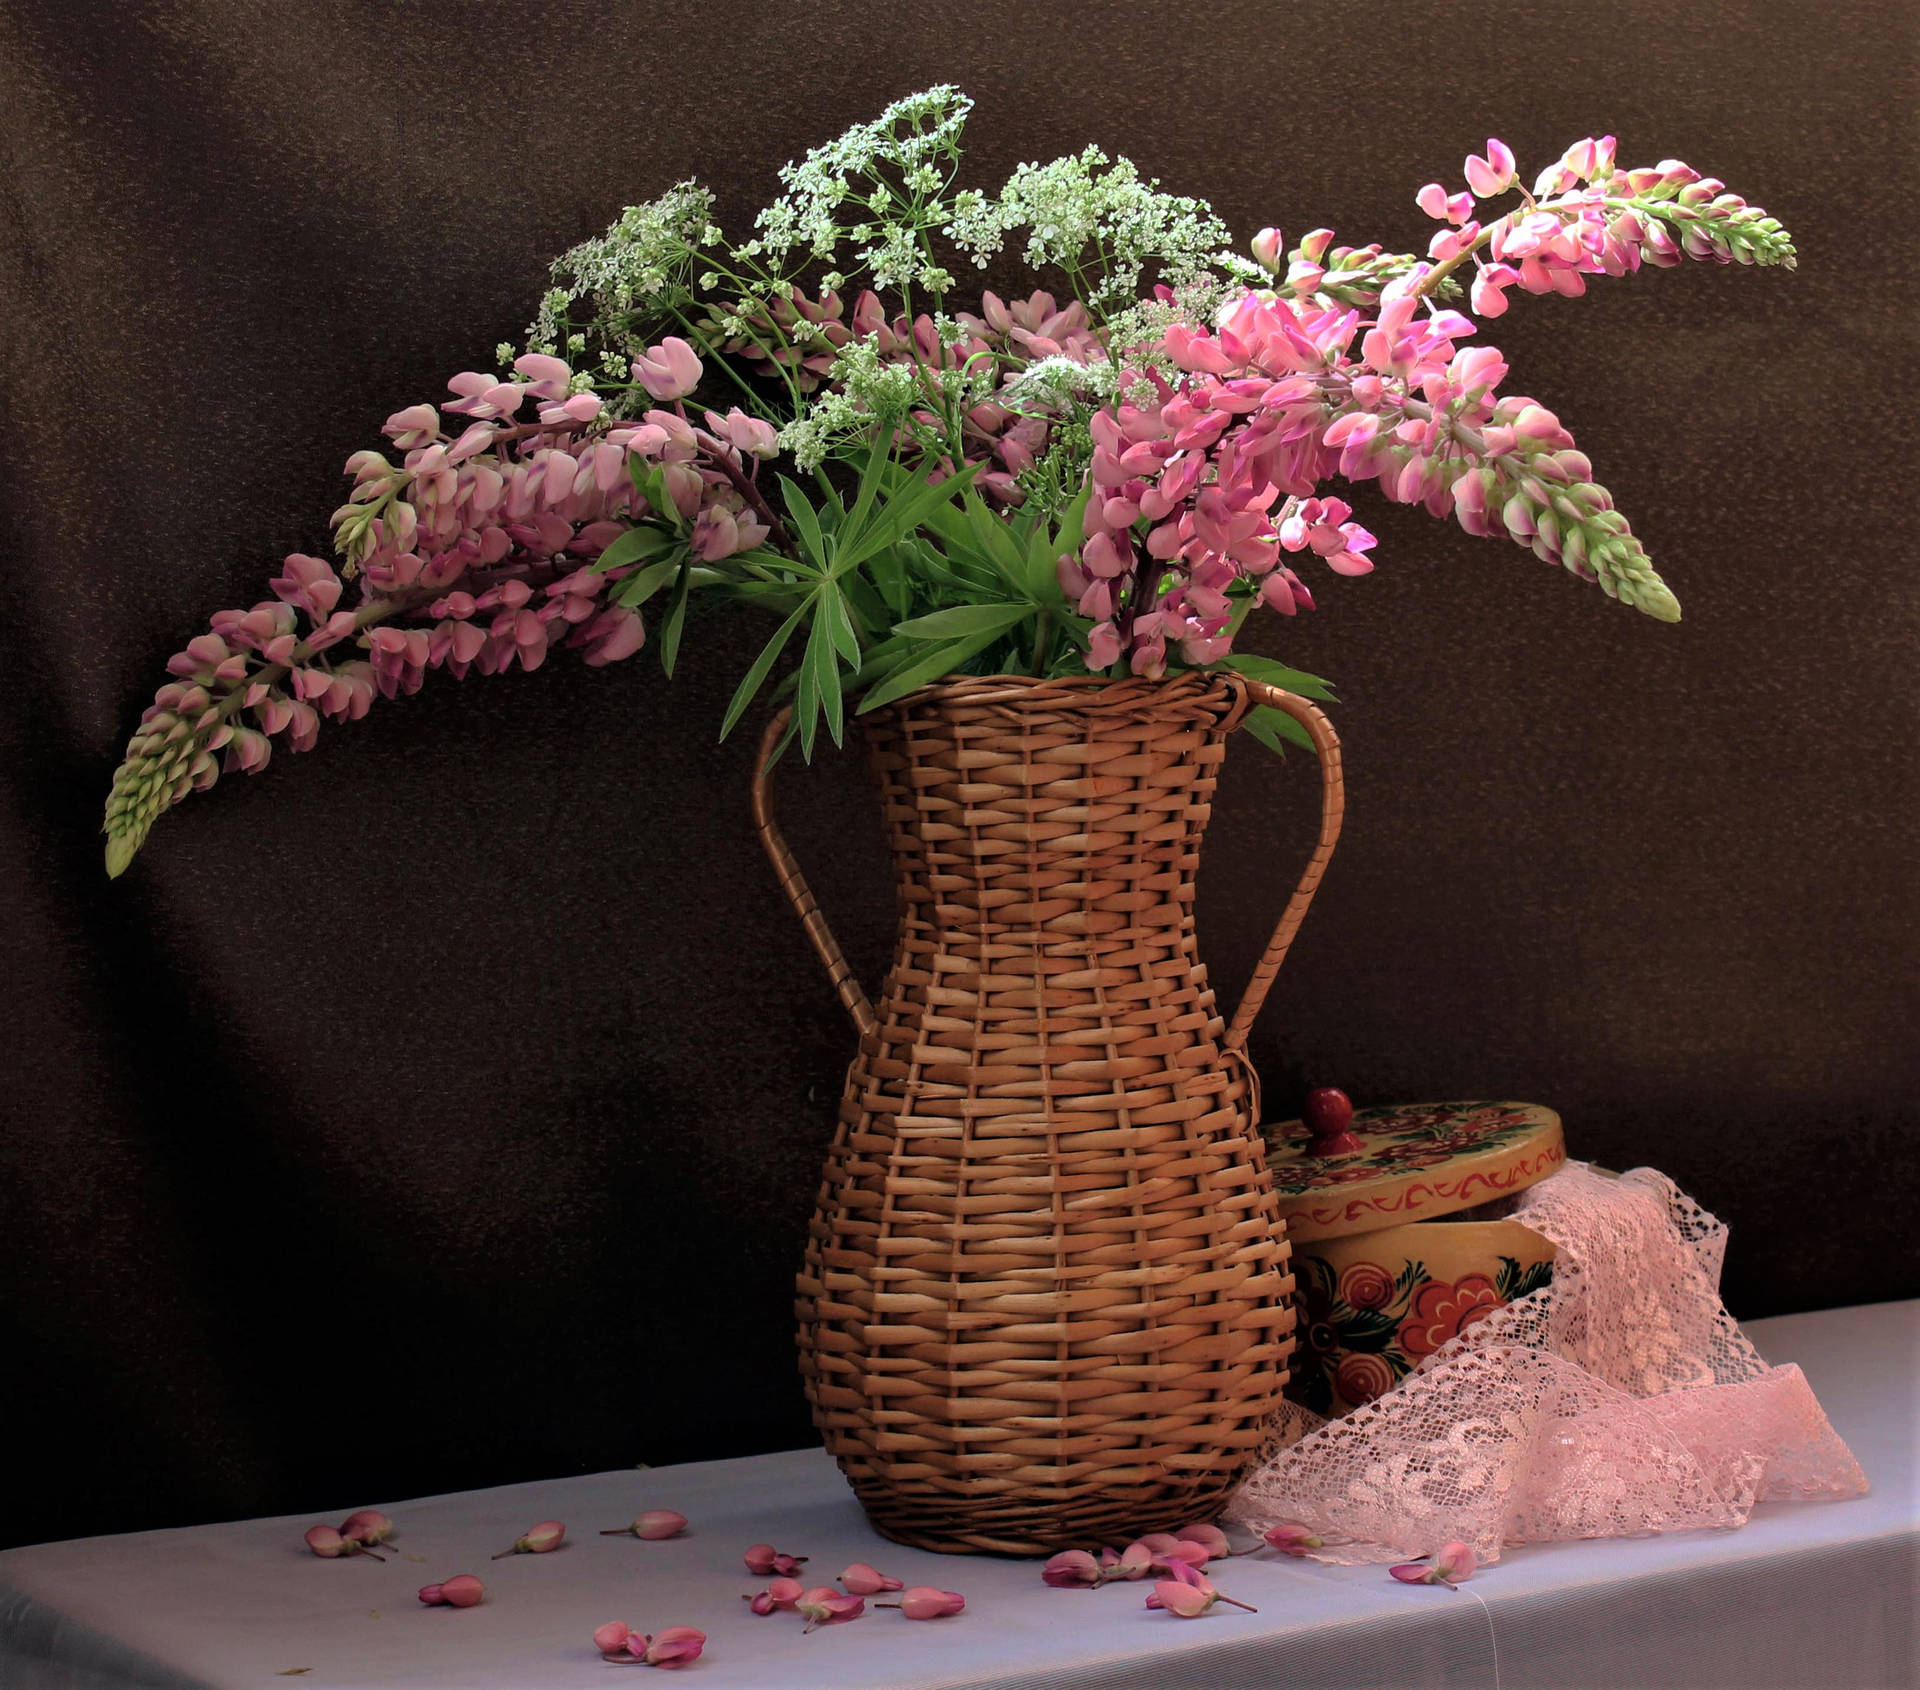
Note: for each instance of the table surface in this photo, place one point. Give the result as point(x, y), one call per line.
point(1805, 1594)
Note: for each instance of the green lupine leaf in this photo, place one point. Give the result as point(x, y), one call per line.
point(899, 517)
point(870, 478)
point(917, 672)
point(1275, 729)
point(756, 677)
point(633, 546)
point(805, 520)
point(637, 589)
point(840, 627)
point(963, 620)
point(1296, 681)
point(675, 621)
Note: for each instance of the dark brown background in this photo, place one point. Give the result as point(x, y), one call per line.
point(444, 1108)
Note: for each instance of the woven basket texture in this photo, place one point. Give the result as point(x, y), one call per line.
point(1045, 1299)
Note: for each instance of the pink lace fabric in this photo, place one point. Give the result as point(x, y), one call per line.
point(1620, 1399)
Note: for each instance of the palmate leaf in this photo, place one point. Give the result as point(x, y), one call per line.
point(1275, 729)
point(917, 670)
point(1279, 675)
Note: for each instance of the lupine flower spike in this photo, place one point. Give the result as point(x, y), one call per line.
point(924, 1602)
point(1453, 1565)
point(1204, 423)
point(763, 1558)
point(463, 1591)
point(329, 1544)
point(864, 1580)
point(654, 1524)
point(548, 1535)
point(823, 1605)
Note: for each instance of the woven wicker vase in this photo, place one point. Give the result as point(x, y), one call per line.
point(1044, 1301)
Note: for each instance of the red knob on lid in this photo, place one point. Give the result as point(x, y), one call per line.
point(1327, 1112)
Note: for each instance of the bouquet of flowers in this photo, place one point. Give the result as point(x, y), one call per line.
point(1103, 478)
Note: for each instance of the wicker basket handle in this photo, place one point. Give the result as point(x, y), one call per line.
point(794, 883)
point(1333, 803)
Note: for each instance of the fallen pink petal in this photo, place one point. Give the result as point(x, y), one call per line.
point(1293, 1540)
point(676, 1646)
point(925, 1602)
point(653, 1525)
point(823, 1605)
point(611, 1638)
point(763, 1558)
point(1210, 1538)
point(461, 1591)
point(1074, 1569)
point(548, 1535)
point(863, 1580)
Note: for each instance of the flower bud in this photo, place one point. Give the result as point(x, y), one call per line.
point(1267, 247)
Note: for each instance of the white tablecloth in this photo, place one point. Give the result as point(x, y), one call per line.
point(1815, 1594)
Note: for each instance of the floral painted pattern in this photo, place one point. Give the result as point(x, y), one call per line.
point(1400, 1138)
point(1365, 1329)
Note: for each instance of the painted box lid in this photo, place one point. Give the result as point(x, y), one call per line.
point(1341, 1172)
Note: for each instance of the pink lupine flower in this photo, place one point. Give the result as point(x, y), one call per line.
point(1209, 1537)
point(924, 1602)
point(1490, 175)
point(611, 1638)
point(781, 1593)
point(864, 1580)
point(752, 435)
point(540, 1539)
point(1453, 1564)
point(676, 1646)
point(1071, 1569)
point(329, 1544)
point(715, 534)
point(1294, 1540)
point(462, 1591)
point(823, 1605)
point(1267, 247)
point(670, 370)
point(763, 1558)
point(1189, 1594)
point(369, 1525)
point(653, 1524)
